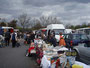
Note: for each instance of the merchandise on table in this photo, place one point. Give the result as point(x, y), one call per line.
point(53, 54)
point(63, 59)
point(77, 66)
point(51, 57)
point(82, 64)
point(71, 60)
point(39, 51)
point(71, 53)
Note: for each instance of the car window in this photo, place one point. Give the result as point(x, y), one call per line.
point(87, 31)
point(76, 36)
point(66, 37)
point(57, 31)
point(83, 37)
point(69, 36)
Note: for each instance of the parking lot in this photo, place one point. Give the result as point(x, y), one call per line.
point(15, 58)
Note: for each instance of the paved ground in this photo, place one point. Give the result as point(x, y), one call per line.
point(15, 58)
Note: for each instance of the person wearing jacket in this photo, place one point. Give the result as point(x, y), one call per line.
point(7, 38)
point(62, 41)
point(13, 39)
point(52, 40)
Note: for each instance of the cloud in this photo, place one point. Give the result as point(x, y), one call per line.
point(47, 13)
point(69, 11)
point(6, 16)
point(42, 3)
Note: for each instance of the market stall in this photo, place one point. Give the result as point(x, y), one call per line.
point(48, 56)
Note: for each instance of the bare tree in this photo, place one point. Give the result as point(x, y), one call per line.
point(12, 23)
point(67, 26)
point(43, 21)
point(24, 21)
point(34, 21)
point(49, 20)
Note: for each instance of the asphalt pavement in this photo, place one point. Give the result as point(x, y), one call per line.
point(15, 57)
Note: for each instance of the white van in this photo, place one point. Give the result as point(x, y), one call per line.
point(57, 29)
point(68, 30)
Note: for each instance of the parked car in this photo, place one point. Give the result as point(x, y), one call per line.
point(75, 39)
point(83, 52)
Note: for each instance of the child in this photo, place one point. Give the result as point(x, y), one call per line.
point(30, 48)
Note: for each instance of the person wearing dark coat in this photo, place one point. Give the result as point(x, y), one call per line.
point(32, 36)
point(28, 38)
point(13, 39)
point(7, 38)
point(52, 40)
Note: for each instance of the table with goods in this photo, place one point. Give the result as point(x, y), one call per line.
point(54, 57)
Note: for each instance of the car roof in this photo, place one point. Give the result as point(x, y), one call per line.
point(73, 34)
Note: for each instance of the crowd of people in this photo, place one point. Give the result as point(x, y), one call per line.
point(9, 37)
point(30, 36)
point(50, 38)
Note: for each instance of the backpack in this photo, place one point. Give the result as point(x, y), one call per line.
point(13, 37)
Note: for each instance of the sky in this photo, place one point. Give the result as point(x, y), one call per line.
point(68, 11)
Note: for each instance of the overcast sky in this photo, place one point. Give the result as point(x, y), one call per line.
point(69, 11)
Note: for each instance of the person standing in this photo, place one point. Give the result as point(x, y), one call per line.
point(13, 39)
point(24, 35)
point(52, 40)
point(43, 35)
point(32, 36)
point(49, 33)
point(28, 39)
point(62, 41)
point(7, 38)
point(53, 32)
